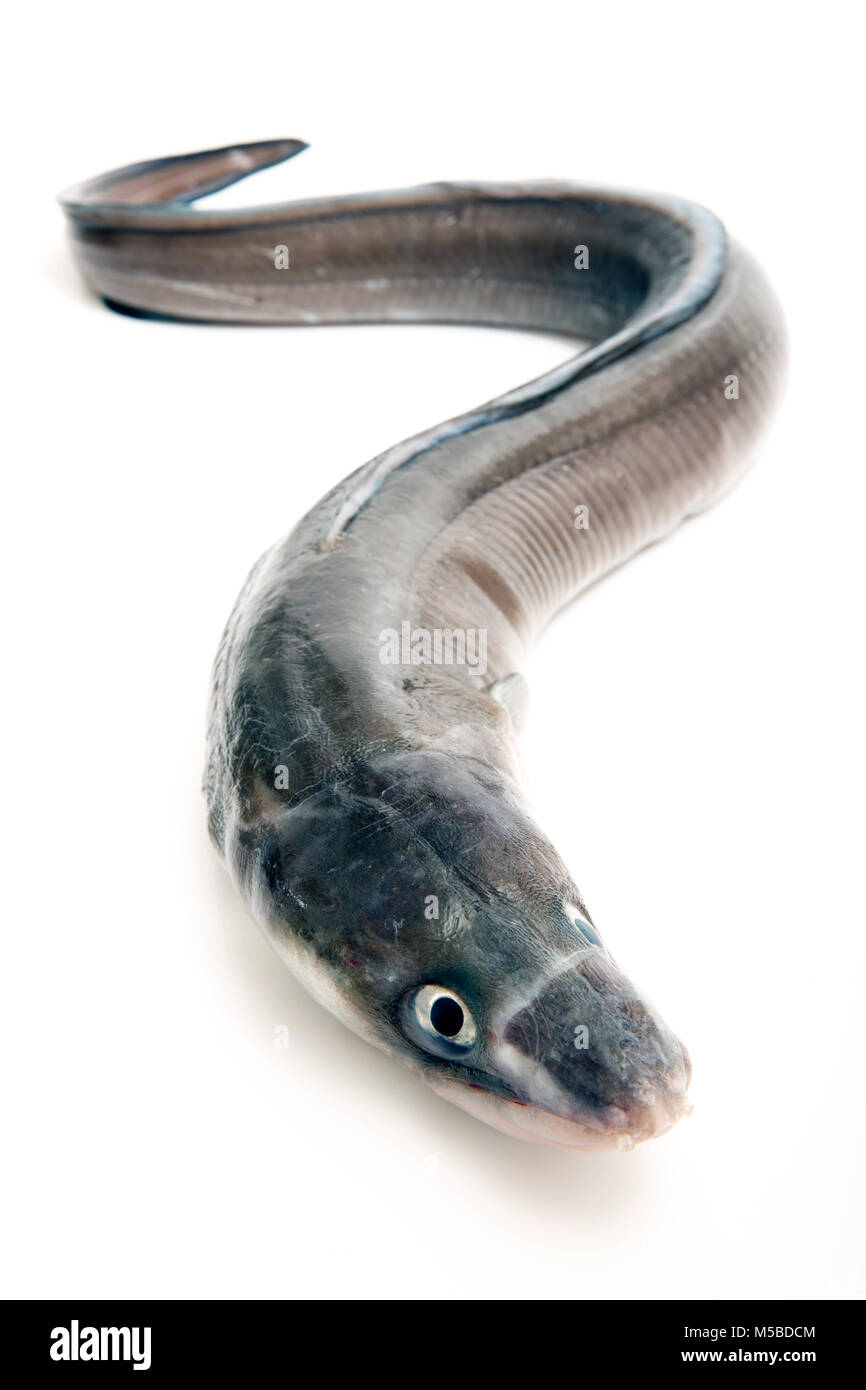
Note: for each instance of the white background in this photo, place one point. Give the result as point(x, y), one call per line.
point(695, 746)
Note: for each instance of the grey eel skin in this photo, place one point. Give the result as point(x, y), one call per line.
point(362, 776)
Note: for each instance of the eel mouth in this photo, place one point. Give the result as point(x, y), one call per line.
point(612, 1128)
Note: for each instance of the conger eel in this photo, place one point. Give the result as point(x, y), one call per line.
point(361, 778)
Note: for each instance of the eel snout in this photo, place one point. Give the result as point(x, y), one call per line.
point(593, 1063)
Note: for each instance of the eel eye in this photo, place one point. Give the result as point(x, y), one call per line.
point(579, 921)
point(437, 1019)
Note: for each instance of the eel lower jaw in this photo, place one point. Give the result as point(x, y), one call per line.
point(615, 1129)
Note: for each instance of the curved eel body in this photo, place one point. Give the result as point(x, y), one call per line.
point(362, 778)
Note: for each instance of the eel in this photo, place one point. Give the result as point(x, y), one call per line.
point(362, 780)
